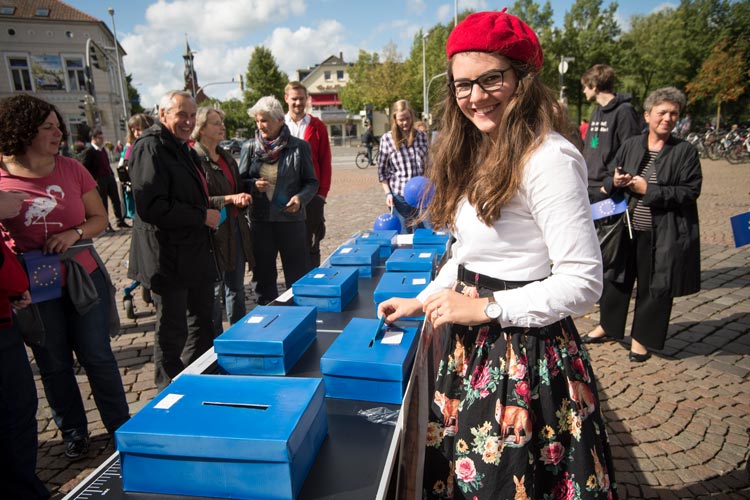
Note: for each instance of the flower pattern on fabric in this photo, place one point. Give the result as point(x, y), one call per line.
point(515, 410)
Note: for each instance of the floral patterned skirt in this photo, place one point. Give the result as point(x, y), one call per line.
point(515, 415)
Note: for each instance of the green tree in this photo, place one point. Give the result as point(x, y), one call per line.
point(539, 19)
point(263, 77)
point(133, 96)
point(236, 119)
point(722, 76)
point(374, 83)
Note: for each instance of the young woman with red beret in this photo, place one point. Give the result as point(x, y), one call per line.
point(515, 411)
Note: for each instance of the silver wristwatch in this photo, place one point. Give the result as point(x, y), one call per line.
point(493, 310)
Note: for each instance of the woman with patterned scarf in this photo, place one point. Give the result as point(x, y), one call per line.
point(278, 168)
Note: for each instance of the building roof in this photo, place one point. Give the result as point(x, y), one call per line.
point(55, 10)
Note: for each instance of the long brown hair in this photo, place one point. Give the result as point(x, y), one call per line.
point(468, 162)
point(399, 138)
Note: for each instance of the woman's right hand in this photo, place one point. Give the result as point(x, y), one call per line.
point(261, 185)
point(396, 308)
point(240, 199)
point(11, 203)
point(389, 200)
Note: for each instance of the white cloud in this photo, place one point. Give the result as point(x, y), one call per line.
point(295, 50)
point(416, 6)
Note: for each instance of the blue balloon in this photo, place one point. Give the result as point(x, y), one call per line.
point(387, 222)
point(418, 191)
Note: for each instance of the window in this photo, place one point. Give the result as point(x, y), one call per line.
point(20, 74)
point(327, 75)
point(76, 73)
point(340, 75)
point(6, 10)
point(42, 13)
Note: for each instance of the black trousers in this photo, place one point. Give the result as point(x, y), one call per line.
point(107, 187)
point(316, 228)
point(651, 316)
point(270, 239)
point(18, 435)
point(184, 329)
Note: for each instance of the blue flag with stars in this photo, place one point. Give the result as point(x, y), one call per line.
point(45, 275)
point(741, 229)
point(608, 207)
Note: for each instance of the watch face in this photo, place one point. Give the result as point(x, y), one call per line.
point(493, 310)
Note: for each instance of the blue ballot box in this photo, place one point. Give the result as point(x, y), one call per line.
point(428, 238)
point(267, 341)
point(357, 367)
point(363, 257)
point(382, 238)
point(405, 285)
point(225, 436)
point(412, 259)
point(329, 289)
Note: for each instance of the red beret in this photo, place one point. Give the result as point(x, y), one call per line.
point(496, 32)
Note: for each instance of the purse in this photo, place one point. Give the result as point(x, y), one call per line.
point(29, 322)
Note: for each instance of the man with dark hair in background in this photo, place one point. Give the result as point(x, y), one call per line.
point(612, 121)
point(96, 161)
point(313, 130)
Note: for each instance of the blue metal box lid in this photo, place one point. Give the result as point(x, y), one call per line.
point(348, 255)
point(226, 417)
point(326, 282)
point(400, 284)
point(424, 236)
point(350, 355)
point(412, 259)
point(266, 330)
point(380, 238)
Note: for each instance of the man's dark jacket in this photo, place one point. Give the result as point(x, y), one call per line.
point(171, 247)
point(675, 269)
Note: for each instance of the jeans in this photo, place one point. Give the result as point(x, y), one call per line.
point(406, 212)
point(184, 329)
point(18, 404)
point(232, 288)
point(87, 336)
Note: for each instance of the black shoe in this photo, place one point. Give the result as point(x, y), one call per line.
point(588, 339)
point(122, 224)
point(638, 358)
point(77, 449)
point(109, 229)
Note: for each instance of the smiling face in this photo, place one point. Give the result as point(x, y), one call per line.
point(296, 99)
point(214, 129)
point(47, 140)
point(268, 127)
point(484, 109)
point(180, 117)
point(662, 118)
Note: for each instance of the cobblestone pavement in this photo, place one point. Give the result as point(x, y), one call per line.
point(679, 423)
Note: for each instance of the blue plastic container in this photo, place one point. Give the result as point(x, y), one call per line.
point(384, 239)
point(327, 288)
point(412, 259)
point(363, 257)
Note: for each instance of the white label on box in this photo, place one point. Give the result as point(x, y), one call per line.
point(418, 281)
point(254, 319)
point(167, 402)
point(318, 276)
point(441, 233)
point(393, 336)
point(425, 255)
point(346, 250)
point(365, 235)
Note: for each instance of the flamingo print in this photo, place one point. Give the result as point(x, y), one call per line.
point(42, 206)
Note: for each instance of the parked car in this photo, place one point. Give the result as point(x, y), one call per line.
point(232, 145)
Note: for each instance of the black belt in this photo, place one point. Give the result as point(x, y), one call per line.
point(495, 284)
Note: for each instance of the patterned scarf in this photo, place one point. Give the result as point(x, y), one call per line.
point(269, 151)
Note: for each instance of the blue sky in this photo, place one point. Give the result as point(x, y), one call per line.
point(300, 33)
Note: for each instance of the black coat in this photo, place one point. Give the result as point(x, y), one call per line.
point(675, 269)
point(171, 247)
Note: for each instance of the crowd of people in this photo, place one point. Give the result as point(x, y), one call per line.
point(510, 181)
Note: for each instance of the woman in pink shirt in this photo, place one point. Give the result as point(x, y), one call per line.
point(62, 213)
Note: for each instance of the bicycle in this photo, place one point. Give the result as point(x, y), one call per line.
point(362, 161)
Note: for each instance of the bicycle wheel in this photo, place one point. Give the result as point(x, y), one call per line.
point(362, 161)
point(714, 150)
point(735, 154)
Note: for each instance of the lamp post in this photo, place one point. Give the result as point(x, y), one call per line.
point(427, 102)
point(424, 77)
point(119, 68)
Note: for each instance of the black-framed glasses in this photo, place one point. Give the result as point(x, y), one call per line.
point(489, 81)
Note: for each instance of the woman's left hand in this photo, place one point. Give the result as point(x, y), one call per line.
point(241, 200)
point(293, 206)
point(448, 306)
point(60, 242)
point(24, 301)
point(638, 185)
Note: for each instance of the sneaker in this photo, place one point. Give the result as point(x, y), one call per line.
point(77, 449)
point(122, 224)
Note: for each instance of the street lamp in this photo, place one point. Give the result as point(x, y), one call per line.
point(427, 102)
point(119, 69)
point(424, 77)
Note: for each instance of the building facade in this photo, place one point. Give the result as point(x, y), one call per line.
point(323, 82)
point(43, 51)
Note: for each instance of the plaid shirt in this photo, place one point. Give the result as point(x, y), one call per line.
point(399, 165)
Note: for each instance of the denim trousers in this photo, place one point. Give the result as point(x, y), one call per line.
point(406, 212)
point(88, 336)
point(232, 289)
point(18, 404)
